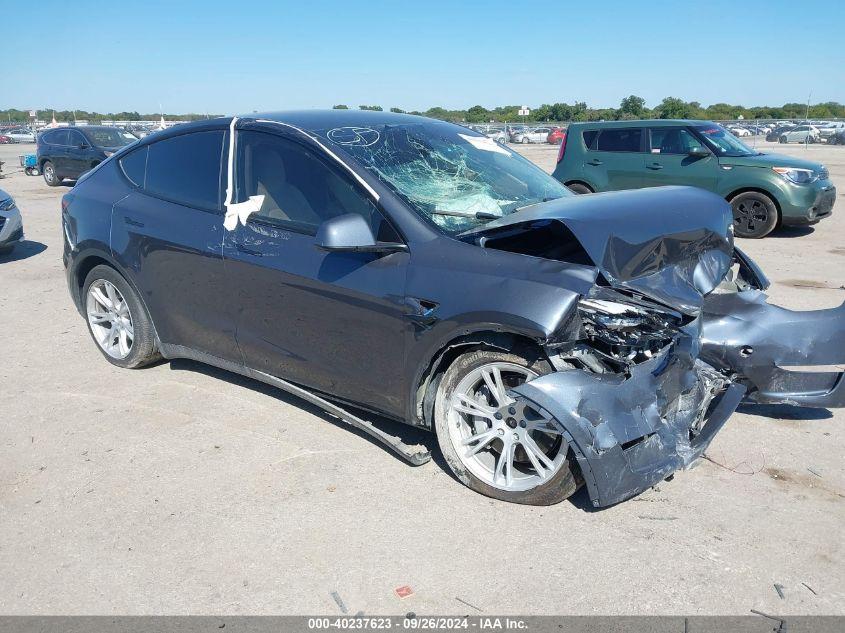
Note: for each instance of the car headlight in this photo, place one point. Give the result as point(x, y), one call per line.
point(625, 332)
point(7, 205)
point(796, 175)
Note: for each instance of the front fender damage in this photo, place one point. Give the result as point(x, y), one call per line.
point(631, 432)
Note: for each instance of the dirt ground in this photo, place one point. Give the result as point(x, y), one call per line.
point(183, 489)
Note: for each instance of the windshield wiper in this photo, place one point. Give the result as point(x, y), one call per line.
point(478, 215)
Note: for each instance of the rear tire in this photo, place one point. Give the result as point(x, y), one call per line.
point(755, 214)
point(525, 140)
point(117, 319)
point(50, 176)
point(579, 188)
point(782, 139)
point(543, 476)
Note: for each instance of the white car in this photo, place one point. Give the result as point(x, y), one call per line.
point(532, 135)
point(739, 131)
point(11, 225)
point(20, 135)
point(800, 134)
point(497, 135)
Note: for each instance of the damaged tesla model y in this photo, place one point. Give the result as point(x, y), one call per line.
point(418, 270)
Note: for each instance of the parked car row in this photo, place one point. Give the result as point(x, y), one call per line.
point(16, 134)
point(764, 190)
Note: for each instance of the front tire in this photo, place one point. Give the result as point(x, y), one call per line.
point(525, 140)
point(117, 320)
point(50, 176)
point(755, 214)
point(496, 445)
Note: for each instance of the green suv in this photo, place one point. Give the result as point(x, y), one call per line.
point(764, 189)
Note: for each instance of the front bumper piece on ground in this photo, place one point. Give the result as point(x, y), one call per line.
point(629, 434)
point(759, 342)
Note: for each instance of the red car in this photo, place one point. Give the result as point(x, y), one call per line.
point(6, 139)
point(556, 136)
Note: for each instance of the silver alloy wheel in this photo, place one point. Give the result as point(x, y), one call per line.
point(110, 319)
point(502, 441)
point(49, 173)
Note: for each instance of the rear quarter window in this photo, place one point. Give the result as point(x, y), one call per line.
point(134, 166)
point(186, 169)
point(620, 140)
point(589, 137)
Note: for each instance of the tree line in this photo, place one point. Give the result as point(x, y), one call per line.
point(22, 116)
point(631, 107)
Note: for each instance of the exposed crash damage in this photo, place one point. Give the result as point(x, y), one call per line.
point(415, 269)
point(673, 337)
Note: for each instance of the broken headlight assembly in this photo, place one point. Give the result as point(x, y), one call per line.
point(617, 334)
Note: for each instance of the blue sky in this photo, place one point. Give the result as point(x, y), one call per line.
point(237, 57)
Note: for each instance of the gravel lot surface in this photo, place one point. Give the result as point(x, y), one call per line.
point(184, 489)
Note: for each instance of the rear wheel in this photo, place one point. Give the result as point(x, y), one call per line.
point(755, 214)
point(579, 188)
point(782, 139)
point(497, 445)
point(50, 175)
point(525, 140)
point(117, 320)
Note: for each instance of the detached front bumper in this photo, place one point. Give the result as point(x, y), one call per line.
point(759, 343)
point(629, 434)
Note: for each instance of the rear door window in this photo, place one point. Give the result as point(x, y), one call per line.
point(134, 166)
point(186, 169)
point(620, 140)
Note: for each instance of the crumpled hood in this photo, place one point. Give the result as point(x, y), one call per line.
point(673, 244)
point(769, 161)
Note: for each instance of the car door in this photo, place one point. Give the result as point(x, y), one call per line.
point(670, 163)
point(57, 152)
point(76, 157)
point(329, 321)
point(168, 233)
point(617, 160)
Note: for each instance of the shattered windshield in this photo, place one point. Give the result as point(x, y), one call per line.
point(452, 176)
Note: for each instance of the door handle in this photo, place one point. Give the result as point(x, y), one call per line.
point(595, 162)
point(132, 222)
point(655, 166)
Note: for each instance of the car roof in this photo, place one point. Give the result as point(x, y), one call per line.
point(643, 123)
point(311, 120)
point(308, 120)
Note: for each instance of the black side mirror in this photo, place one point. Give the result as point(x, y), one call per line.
point(350, 233)
point(699, 152)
